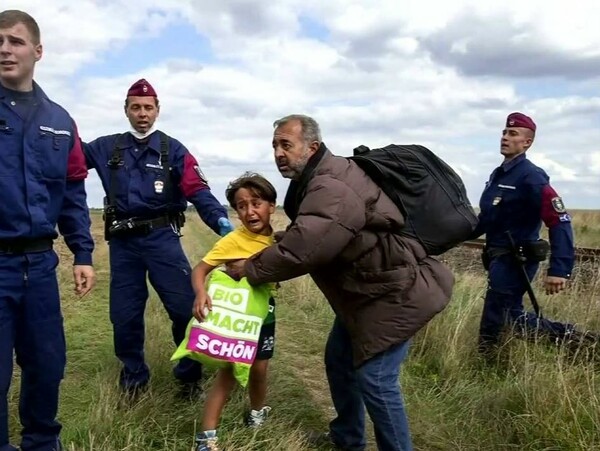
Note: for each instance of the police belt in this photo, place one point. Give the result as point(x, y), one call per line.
point(137, 226)
point(535, 251)
point(25, 246)
point(494, 252)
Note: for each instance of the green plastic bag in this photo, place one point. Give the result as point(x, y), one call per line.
point(229, 335)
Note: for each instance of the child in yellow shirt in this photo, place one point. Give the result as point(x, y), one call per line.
point(253, 198)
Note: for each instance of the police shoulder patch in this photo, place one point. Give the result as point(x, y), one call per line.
point(558, 205)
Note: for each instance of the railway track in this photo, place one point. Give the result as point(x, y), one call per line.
point(581, 253)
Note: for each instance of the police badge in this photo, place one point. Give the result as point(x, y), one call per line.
point(158, 186)
point(496, 200)
point(558, 205)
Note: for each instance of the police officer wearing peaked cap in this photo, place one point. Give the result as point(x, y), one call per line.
point(148, 178)
point(516, 200)
point(42, 174)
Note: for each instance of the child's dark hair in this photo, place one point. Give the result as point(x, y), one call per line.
point(255, 183)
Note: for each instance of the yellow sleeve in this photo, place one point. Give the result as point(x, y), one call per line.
point(223, 251)
point(236, 245)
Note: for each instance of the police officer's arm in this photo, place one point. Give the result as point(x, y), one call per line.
point(195, 188)
point(90, 152)
point(560, 231)
point(74, 219)
point(330, 215)
point(479, 229)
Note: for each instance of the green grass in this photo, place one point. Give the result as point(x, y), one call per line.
point(534, 398)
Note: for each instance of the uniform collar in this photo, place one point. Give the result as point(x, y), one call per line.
point(152, 143)
point(38, 92)
point(514, 162)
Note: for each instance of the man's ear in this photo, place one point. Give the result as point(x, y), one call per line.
point(313, 147)
point(39, 51)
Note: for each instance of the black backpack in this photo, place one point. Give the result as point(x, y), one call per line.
point(430, 195)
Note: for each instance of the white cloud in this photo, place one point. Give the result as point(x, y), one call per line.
point(594, 162)
point(560, 172)
point(387, 71)
point(73, 33)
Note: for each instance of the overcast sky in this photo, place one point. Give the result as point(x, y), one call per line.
point(443, 74)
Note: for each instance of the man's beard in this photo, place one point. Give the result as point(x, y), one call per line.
point(294, 171)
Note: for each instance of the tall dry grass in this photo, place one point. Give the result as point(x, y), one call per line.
point(535, 397)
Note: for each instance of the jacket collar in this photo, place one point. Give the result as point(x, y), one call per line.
point(297, 188)
point(152, 142)
point(514, 162)
point(37, 92)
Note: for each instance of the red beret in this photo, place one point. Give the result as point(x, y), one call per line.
point(141, 88)
point(520, 120)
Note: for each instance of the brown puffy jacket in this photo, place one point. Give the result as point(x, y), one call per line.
point(381, 285)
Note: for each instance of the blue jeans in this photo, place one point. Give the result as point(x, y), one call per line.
point(374, 385)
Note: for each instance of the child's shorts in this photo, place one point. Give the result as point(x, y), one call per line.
point(266, 339)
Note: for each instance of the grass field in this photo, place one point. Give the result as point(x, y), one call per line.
point(536, 398)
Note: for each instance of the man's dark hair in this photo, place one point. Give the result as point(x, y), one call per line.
point(255, 183)
point(11, 17)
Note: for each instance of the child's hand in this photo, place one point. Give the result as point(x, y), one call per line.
point(202, 306)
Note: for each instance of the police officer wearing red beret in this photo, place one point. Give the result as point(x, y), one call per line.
point(148, 178)
point(516, 200)
point(42, 173)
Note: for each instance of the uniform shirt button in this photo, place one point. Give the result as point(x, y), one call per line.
point(13, 103)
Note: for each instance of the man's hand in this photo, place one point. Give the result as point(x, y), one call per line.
point(555, 284)
point(278, 236)
point(235, 269)
point(202, 306)
point(84, 278)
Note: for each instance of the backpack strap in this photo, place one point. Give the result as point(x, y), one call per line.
point(116, 161)
point(164, 162)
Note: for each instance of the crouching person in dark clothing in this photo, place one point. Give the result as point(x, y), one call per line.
point(382, 286)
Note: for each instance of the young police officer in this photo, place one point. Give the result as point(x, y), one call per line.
point(515, 201)
point(148, 178)
point(42, 172)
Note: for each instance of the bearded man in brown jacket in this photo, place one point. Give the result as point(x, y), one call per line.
point(382, 286)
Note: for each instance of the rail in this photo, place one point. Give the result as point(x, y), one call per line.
point(581, 253)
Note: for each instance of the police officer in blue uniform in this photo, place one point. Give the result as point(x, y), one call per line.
point(42, 172)
point(148, 178)
point(516, 200)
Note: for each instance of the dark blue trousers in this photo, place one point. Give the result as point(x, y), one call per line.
point(160, 256)
point(375, 385)
point(31, 325)
point(504, 304)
